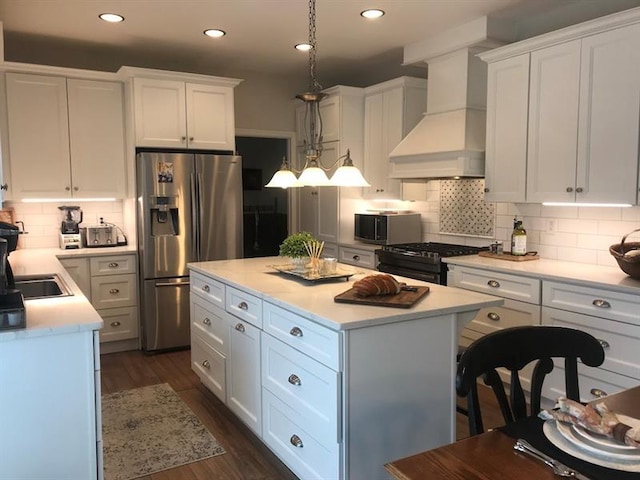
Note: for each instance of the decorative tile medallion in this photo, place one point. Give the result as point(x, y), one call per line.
point(463, 210)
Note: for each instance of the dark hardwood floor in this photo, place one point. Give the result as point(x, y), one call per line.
point(247, 458)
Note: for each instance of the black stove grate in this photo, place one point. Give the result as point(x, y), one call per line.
point(433, 249)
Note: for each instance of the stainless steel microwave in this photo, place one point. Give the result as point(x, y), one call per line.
point(388, 228)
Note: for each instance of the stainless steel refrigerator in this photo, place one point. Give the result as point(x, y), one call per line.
point(189, 210)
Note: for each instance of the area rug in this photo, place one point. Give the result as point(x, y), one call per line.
point(150, 429)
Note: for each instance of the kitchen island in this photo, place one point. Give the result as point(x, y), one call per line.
point(335, 390)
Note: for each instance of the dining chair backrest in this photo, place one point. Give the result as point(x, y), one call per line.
point(513, 349)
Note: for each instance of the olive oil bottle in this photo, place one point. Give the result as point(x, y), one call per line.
point(518, 238)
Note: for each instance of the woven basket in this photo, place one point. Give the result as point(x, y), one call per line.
point(627, 255)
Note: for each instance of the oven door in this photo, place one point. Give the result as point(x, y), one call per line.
point(431, 277)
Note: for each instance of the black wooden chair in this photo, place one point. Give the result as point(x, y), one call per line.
point(514, 348)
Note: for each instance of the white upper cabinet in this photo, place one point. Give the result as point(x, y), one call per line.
point(177, 114)
point(66, 137)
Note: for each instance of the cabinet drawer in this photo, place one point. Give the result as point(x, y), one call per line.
point(307, 386)
point(621, 341)
point(318, 342)
point(592, 301)
point(113, 265)
point(209, 322)
point(209, 365)
point(503, 285)
point(511, 314)
point(308, 457)
point(208, 288)
point(113, 291)
point(359, 258)
point(119, 324)
point(244, 305)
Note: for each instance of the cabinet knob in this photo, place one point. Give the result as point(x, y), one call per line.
point(113, 265)
point(206, 364)
point(493, 283)
point(295, 332)
point(4, 186)
point(579, 189)
point(596, 392)
point(191, 139)
point(356, 257)
point(604, 344)
point(294, 380)
point(239, 327)
point(184, 139)
point(243, 306)
point(75, 189)
point(67, 189)
point(113, 291)
point(115, 324)
point(569, 189)
point(493, 316)
point(486, 190)
point(296, 441)
point(206, 288)
point(206, 321)
point(601, 303)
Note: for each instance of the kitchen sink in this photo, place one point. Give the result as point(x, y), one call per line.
point(41, 286)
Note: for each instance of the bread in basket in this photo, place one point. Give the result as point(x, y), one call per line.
point(627, 254)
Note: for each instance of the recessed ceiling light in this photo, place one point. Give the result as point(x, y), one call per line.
point(372, 13)
point(111, 17)
point(214, 33)
point(303, 47)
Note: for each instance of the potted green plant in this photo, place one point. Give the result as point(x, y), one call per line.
point(294, 247)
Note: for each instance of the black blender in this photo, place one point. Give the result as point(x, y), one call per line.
point(12, 314)
point(71, 218)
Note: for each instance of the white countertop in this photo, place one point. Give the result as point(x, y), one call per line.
point(52, 316)
point(597, 276)
point(314, 300)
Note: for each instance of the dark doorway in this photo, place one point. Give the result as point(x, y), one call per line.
point(265, 209)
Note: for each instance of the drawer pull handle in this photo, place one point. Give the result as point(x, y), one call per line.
point(113, 265)
point(113, 291)
point(601, 303)
point(206, 288)
point(493, 283)
point(294, 380)
point(596, 392)
point(493, 316)
point(296, 332)
point(243, 306)
point(239, 327)
point(206, 364)
point(604, 344)
point(356, 257)
point(296, 441)
point(206, 321)
point(115, 324)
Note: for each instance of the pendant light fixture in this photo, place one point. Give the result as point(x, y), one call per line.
point(313, 172)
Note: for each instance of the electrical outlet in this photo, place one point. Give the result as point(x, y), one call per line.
point(552, 225)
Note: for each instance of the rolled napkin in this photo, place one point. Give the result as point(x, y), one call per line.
point(597, 419)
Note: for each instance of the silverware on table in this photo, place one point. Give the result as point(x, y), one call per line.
point(558, 467)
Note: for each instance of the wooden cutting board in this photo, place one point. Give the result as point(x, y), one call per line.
point(404, 299)
point(508, 256)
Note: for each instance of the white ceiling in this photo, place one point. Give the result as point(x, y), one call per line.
point(260, 33)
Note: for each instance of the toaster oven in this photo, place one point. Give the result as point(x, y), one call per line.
point(99, 236)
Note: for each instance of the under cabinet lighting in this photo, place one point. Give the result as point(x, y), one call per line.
point(573, 204)
point(52, 200)
point(111, 17)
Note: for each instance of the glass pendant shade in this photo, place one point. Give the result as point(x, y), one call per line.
point(283, 178)
point(313, 177)
point(348, 176)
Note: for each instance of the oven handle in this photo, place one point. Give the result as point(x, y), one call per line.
point(406, 272)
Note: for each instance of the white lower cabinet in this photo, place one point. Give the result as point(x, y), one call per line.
point(358, 257)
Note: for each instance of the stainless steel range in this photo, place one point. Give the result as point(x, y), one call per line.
point(421, 261)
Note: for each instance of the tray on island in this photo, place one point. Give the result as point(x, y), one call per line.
point(307, 274)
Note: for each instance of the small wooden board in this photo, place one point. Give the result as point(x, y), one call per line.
point(404, 299)
point(508, 256)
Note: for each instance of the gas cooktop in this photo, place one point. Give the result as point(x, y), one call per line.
point(432, 249)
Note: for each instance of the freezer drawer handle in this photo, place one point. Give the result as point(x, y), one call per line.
point(596, 392)
point(493, 283)
point(206, 364)
point(604, 344)
point(206, 288)
point(296, 332)
point(296, 441)
point(169, 284)
point(243, 306)
point(294, 379)
point(239, 327)
point(493, 316)
point(113, 291)
point(115, 324)
point(601, 303)
point(206, 321)
point(113, 265)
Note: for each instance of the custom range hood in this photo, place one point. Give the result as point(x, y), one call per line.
point(449, 141)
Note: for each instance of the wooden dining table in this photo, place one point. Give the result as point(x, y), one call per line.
point(490, 455)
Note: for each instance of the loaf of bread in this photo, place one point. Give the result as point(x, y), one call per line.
point(381, 284)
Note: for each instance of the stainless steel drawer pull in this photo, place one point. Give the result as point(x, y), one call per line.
point(296, 441)
point(113, 291)
point(206, 288)
point(356, 257)
point(601, 303)
point(596, 392)
point(113, 265)
point(493, 316)
point(604, 344)
point(239, 327)
point(206, 364)
point(115, 324)
point(296, 332)
point(206, 321)
point(243, 306)
point(294, 379)
point(493, 283)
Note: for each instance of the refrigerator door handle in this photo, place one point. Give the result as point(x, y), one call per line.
point(200, 215)
point(195, 213)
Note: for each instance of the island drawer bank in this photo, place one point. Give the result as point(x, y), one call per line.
point(341, 388)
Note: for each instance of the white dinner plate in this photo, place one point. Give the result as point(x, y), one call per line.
point(605, 443)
